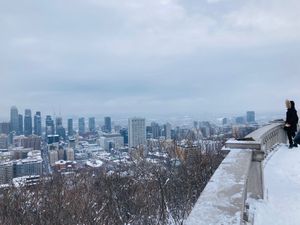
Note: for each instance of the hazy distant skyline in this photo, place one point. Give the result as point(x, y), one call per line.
point(146, 57)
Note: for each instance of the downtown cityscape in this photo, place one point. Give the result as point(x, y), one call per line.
point(149, 112)
point(33, 145)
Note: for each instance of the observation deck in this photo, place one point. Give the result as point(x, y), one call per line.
point(238, 192)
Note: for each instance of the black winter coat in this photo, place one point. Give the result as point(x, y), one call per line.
point(292, 118)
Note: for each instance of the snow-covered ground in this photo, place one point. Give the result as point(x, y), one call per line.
point(281, 205)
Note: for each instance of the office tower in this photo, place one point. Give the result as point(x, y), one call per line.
point(136, 132)
point(3, 141)
point(4, 128)
point(240, 120)
point(81, 126)
point(60, 130)
point(124, 133)
point(58, 122)
point(107, 124)
point(38, 124)
point(224, 121)
point(155, 130)
point(70, 127)
point(21, 126)
point(92, 124)
point(196, 125)
point(250, 117)
point(49, 126)
point(167, 128)
point(14, 120)
point(27, 122)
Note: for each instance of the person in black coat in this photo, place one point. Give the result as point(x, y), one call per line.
point(291, 122)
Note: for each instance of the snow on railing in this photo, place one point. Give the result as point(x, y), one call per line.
point(240, 176)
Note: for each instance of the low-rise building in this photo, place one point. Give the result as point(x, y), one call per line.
point(110, 141)
point(6, 172)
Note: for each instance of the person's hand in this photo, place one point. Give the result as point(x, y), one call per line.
point(287, 125)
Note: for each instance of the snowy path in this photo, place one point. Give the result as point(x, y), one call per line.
point(282, 190)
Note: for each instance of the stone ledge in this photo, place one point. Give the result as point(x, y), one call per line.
point(222, 201)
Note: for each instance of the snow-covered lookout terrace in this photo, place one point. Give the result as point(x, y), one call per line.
point(244, 189)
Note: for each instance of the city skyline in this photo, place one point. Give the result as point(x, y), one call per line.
point(188, 57)
point(39, 119)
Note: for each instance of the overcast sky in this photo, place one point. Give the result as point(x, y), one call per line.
point(142, 57)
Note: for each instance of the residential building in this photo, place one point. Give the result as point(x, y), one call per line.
point(136, 132)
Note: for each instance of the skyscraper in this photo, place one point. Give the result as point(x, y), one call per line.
point(21, 126)
point(155, 130)
point(14, 119)
point(167, 128)
point(250, 116)
point(38, 124)
point(92, 124)
point(49, 125)
point(107, 124)
point(58, 123)
point(27, 122)
point(5, 128)
point(124, 133)
point(70, 127)
point(136, 132)
point(81, 126)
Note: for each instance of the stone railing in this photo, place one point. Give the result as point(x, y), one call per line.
point(239, 177)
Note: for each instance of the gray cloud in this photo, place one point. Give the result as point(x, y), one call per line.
point(145, 56)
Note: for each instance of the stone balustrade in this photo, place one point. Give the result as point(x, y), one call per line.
point(239, 177)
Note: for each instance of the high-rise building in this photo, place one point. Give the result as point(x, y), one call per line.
point(250, 117)
point(3, 141)
point(224, 121)
point(58, 122)
point(70, 127)
point(136, 132)
point(155, 130)
point(124, 133)
point(240, 120)
point(38, 124)
point(27, 122)
point(81, 126)
point(92, 124)
point(21, 126)
point(60, 130)
point(14, 119)
point(4, 128)
point(49, 126)
point(107, 124)
point(167, 128)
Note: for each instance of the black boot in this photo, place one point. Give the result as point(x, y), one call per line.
point(291, 146)
point(295, 145)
